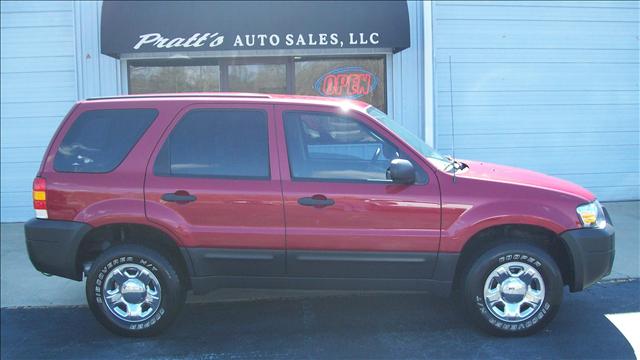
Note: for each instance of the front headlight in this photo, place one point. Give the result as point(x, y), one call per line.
point(592, 215)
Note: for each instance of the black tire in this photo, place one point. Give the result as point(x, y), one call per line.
point(473, 299)
point(172, 292)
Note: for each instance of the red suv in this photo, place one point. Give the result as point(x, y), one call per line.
point(152, 196)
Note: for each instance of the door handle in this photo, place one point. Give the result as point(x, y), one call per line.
point(316, 201)
point(179, 196)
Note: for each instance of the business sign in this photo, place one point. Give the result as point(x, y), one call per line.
point(352, 82)
point(130, 27)
point(154, 41)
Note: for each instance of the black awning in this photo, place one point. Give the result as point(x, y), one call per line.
point(130, 27)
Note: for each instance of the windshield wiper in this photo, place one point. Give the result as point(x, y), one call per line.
point(452, 162)
point(457, 165)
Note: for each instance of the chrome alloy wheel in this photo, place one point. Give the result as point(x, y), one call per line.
point(514, 291)
point(131, 292)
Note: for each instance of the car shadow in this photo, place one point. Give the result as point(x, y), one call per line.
point(372, 325)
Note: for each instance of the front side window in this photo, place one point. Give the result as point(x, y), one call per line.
point(99, 140)
point(415, 142)
point(217, 143)
point(326, 147)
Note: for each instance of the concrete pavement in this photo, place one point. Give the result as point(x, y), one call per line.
point(626, 219)
point(22, 285)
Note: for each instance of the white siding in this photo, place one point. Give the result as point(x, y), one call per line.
point(551, 86)
point(47, 46)
point(408, 70)
point(38, 87)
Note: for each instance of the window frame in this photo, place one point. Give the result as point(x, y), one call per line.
point(126, 154)
point(182, 116)
point(355, 117)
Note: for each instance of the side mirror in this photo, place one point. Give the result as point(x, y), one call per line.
point(401, 171)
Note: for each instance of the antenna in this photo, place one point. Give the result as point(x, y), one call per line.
point(453, 134)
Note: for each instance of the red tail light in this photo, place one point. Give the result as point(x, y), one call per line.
point(40, 197)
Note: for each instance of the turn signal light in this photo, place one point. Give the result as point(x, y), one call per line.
point(592, 215)
point(40, 198)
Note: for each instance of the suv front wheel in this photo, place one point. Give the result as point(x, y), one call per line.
point(134, 291)
point(514, 289)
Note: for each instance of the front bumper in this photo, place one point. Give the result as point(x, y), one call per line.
point(592, 252)
point(53, 246)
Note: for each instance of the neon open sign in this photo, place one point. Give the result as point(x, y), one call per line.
point(351, 82)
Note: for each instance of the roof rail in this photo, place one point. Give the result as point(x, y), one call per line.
point(183, 95)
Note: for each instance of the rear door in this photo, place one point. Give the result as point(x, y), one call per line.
point(344, 218)
point(213, 180)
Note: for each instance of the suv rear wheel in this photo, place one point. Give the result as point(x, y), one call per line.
point(513, 290)
point(134, 291)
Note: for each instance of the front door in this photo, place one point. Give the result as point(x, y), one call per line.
point(343, 217)
point(214, 181)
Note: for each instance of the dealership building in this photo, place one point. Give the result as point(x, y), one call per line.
point(552, 86)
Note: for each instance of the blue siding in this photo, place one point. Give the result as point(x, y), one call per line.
point(551, 86)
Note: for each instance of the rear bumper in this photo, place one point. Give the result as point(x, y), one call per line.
point(53, 246)
point(592, 252)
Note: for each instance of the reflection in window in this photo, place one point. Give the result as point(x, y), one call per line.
point(217, 143)
point(361, 78)
point(324, 146)
point(260, 78)
point(173, 79)
point(99, 140)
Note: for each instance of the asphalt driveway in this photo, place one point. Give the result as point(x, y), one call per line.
point(340, 326)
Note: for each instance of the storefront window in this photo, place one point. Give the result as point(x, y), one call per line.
point(361, 78)
point(148, 78)
point(354, 78)
point(260, 78)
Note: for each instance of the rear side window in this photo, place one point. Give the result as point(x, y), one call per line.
point(99, 140)
point(217, 143)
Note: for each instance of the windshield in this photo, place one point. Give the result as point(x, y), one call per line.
point(415, 142)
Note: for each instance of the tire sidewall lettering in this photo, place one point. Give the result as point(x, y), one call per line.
point(517, 326)
point(98, 295)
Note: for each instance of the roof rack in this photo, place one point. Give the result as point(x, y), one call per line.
point(183, 95)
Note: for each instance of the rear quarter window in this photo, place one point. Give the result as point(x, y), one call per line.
point(99, 140)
